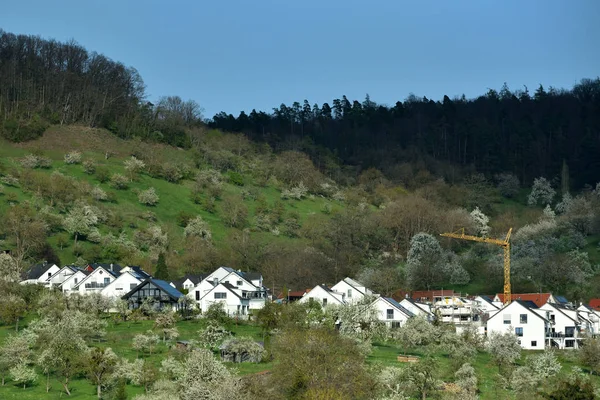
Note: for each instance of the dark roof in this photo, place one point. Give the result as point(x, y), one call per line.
point(488, 300)
point(398, 306)
point(163, 285)
point(230, 287)
point(195, 278)
point(113, 269)
point(37, 270)
point(560, 308)
point(253, 276)
point(561, 299)
point(139, 271)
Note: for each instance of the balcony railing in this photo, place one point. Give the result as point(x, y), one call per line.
point(559, 335)
point(95, 285)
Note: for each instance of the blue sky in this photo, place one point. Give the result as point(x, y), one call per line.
point(233, 55)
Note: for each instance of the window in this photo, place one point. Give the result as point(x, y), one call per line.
point(534, 343)
point(132, 286)
point(76, 279)
point(324, 302)
point(220, 295)
point(215, 281)
point(395, 324)
point(197, 295)
point(506, 319)
point(519, 332)
point(570, 343)
point(523, 318)
point(349, 293)
point(106, 281)
point(569, 331)
point(49, 274)
point(240, 283)
point(390, 313)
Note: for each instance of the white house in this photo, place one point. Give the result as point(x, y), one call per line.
point(225, 293)
point(97, 280)
point(61, 275)
point(593, 316)
point(324, 296)
point(417, 308)
point(391, 312)
point(188, 282)
point(73, 280)
point(353, 290)
point(527, 323)
point(39, 273)
point(455, 310)
point(123, 284)
point(565, 326)
point(485, 305)
point(217, 275)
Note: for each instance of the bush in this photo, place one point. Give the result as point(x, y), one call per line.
point(183, 217)
point(98, 193)
point(197, 227)
point(119, 181)
point(32, 161)
point(172, 172)
point(102, 174)
point(148, 197)
point(89, 167)
point(9, 180)
point(297, 192)
point(134, 165)
point(73, 157)
point(508, 185)
point(235, 178)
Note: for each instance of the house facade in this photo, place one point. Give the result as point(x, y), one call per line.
point(96, 281)
point(73, 281)
point(528, 324)
point(122, 285)
point(226, 294)
point(353, 291)
point(391, 312)
point(565, 328)
point(417, 309)
point(39, 274)
point(163, 295)
point(324, 296)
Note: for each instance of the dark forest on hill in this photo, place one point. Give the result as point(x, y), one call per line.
point(45, 82)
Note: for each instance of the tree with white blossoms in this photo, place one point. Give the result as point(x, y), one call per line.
point(100, 364)
point(133, 166)
point(165, 321)
point(204, 377)
point(9, 271)
point(12, 309)
point(541, 192)
point(148, 197)
point(197, 227)
point(480, 221)
point(80, 220)
point(360, 320)
point(417, 331)
point(16, 350)
point(213, 335)
point(98, 193)
point(467, 381)
point(73, 157)
point(145, 343)
point(424, 263)
point(23, 373)
point(565, 204)
point(504, 348)
point(240, 346)
point(171, 368)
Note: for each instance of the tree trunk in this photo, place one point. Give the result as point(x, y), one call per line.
point(17, 325)
point(424, 394)
point(99, 388)
point(66, 386)
point(47, 381)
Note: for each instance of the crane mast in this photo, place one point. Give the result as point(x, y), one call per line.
point(505, 244)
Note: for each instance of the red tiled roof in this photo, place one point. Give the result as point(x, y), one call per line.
point(595, 304)
point(538, 298)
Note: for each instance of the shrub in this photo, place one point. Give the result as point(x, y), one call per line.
point(98, 193)
point(197, 227)
point(89, 167)
point(508, 185)
point(9, 180)
point(148, 197)
point(119, 181)
point(172, 172)
point(134, 165)
point(29, 161)
point(73, 157)
point(297, 192)
point(235, 178)
point(102, 174)
point(183, 217)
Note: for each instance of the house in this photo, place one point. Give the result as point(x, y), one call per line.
point(538, 298)
point(353, 290)
point(136, 271)
point(124, 283)
point(293, 295)
point(188, 282)
point(162, 293)
point(38, 274)
point(455, 310)
point(232, 298)
point(391, 312)
point(245, 284)
point(72, 281)
point(324, 296)
point(566, 326)
point(593, 316)
point(98, 279)
point(61, 275)
point(417, 309)
point(523, 319)
point(425, 296)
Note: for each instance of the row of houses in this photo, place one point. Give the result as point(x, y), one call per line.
point(239, 291)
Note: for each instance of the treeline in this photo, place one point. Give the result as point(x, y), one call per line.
point(45, 82)
point(505, 131)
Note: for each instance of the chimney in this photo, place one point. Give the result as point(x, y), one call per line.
point(111, 267)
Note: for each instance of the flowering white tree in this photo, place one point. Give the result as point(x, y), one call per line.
point(148, 197)
point(197, 227)
point(424, 264)
point(133, 166)
point(80, 219)
point(480, 221)
point(205, 377)
point(9, 271)
point(73, 157)
point(541, 192)
point(213, 335)
point(22, 373)
point(565, 204)
point(504, 348)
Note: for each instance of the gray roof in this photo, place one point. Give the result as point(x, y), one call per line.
point(163, 285)
point(398, 306)
point(113, 269)
point(37, 270)
point(195, 278)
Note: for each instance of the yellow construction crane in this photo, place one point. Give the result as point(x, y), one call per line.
point(505, 245)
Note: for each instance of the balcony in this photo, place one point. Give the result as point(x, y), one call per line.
point(95, 285)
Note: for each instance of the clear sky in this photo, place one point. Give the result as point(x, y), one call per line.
point(233, 55)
